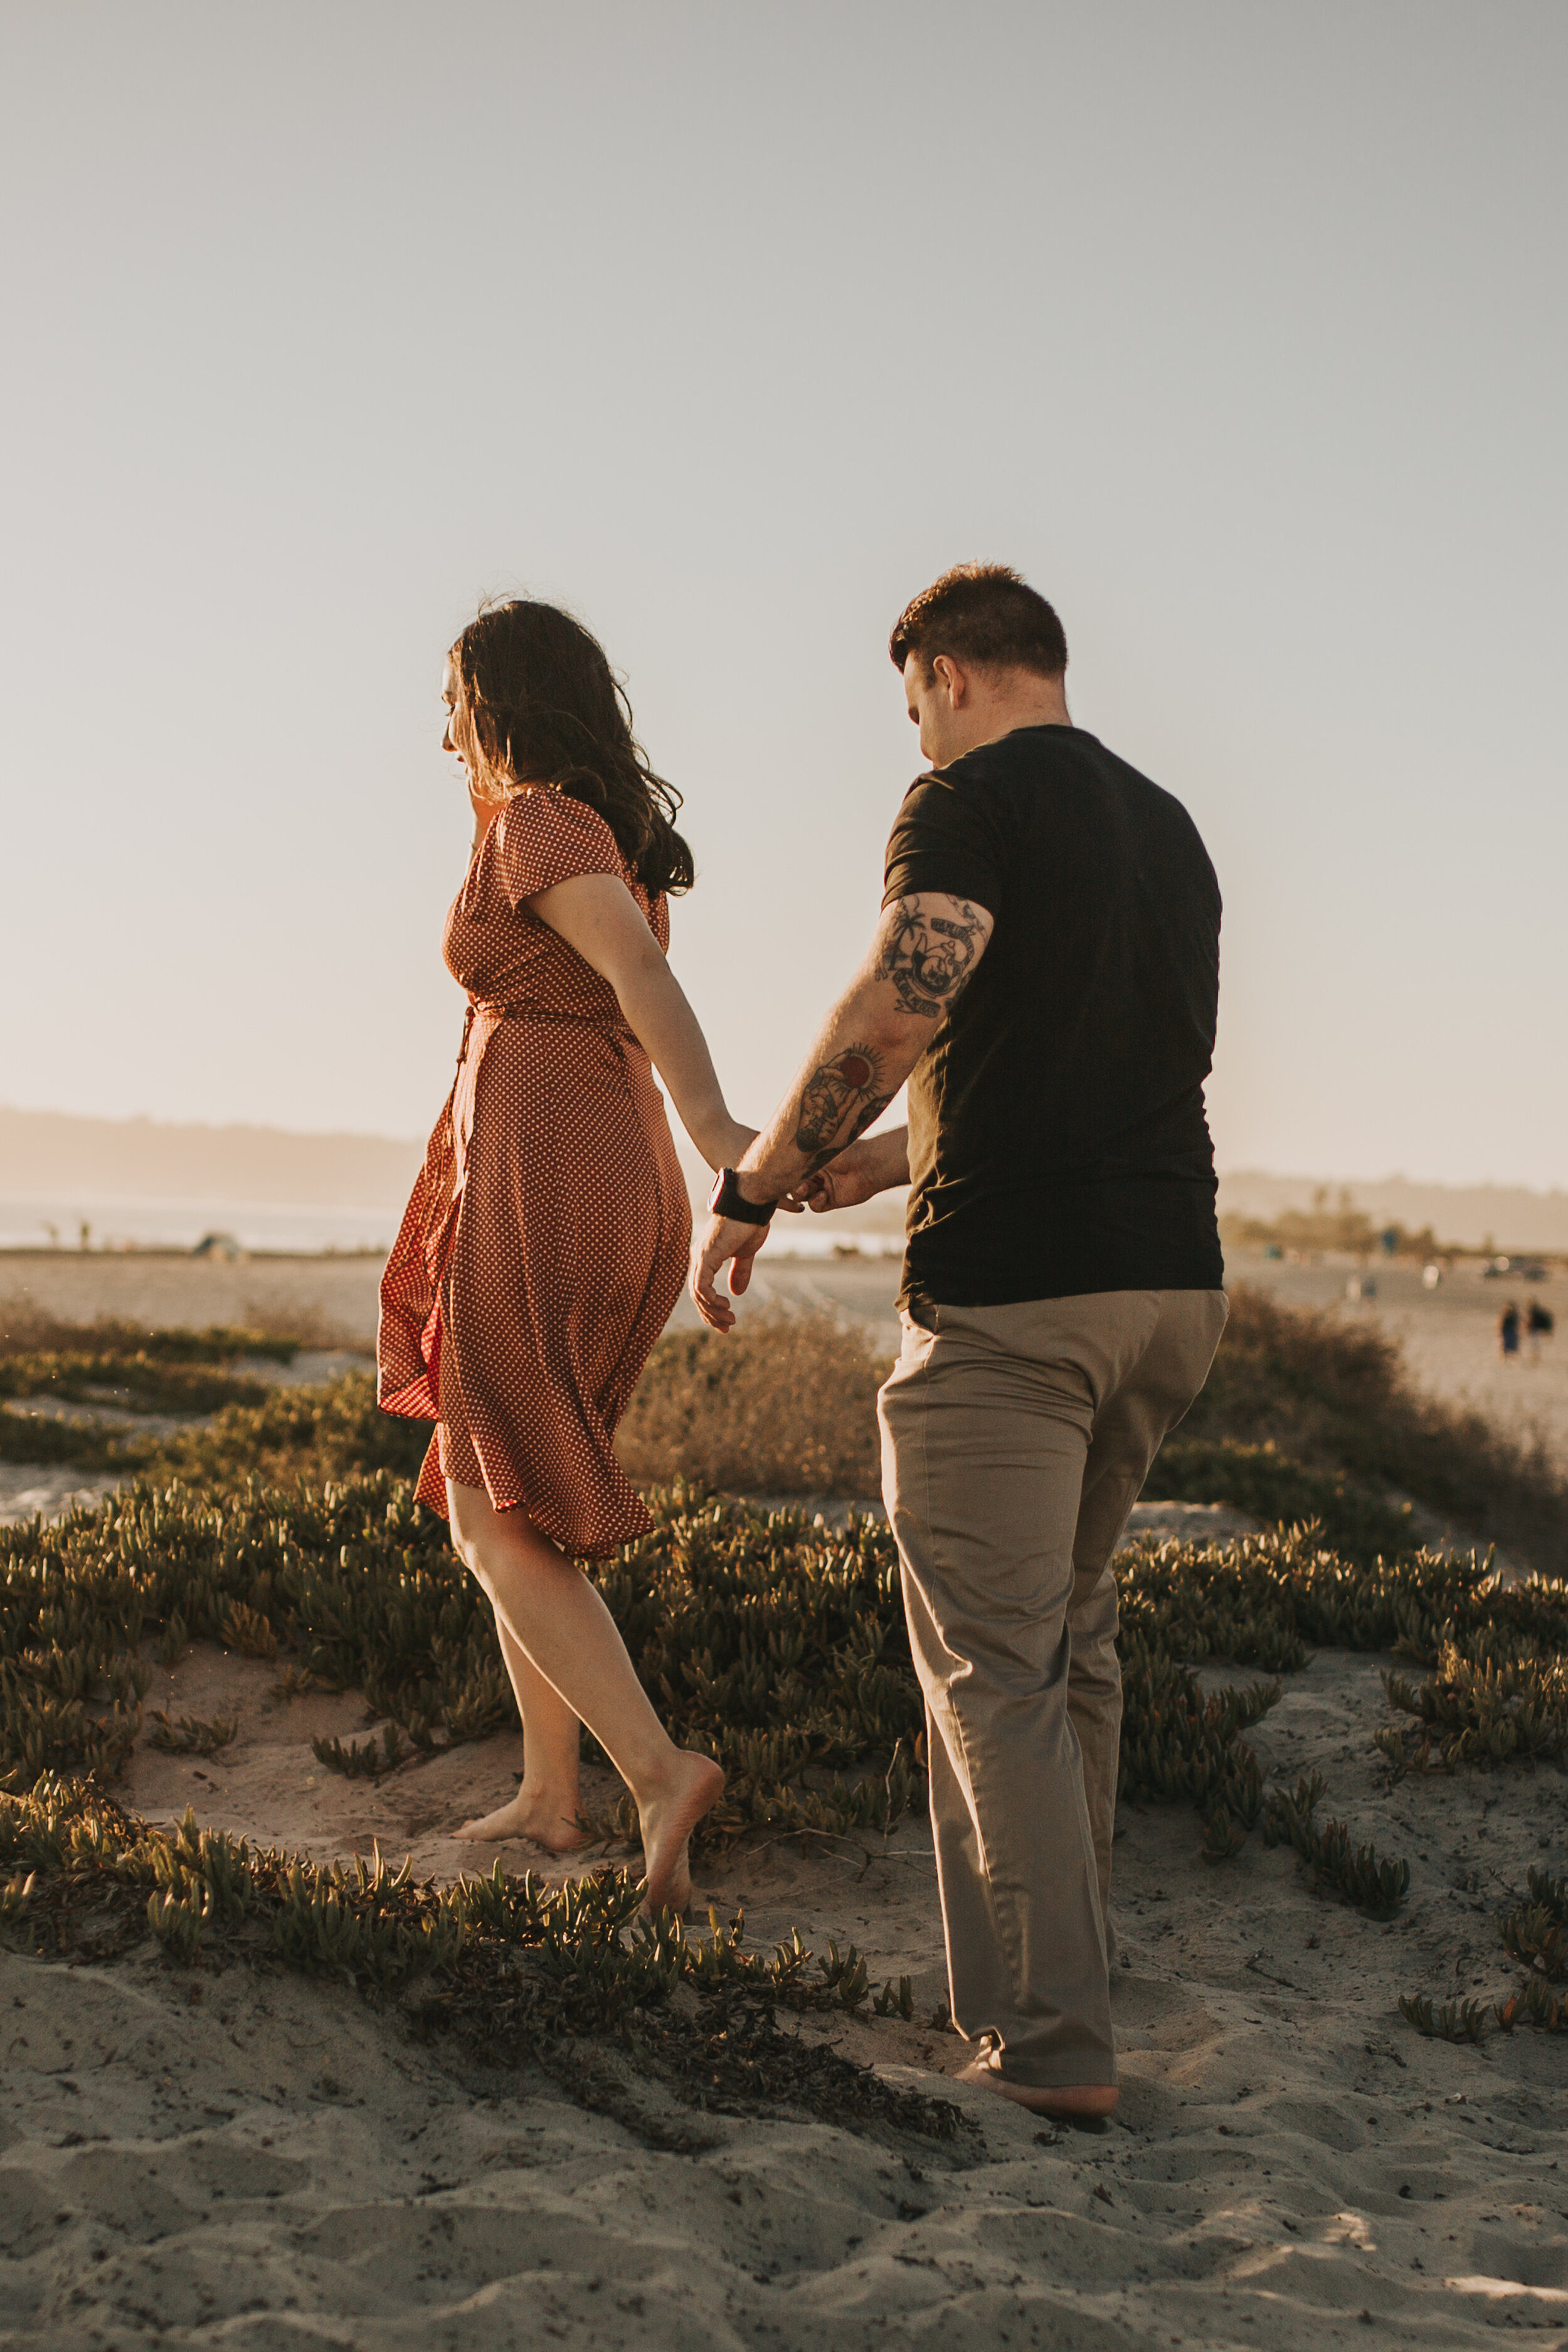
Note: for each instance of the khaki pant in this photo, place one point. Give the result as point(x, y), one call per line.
point(1015, 1441)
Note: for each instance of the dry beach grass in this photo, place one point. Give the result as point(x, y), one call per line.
point(232, 2150)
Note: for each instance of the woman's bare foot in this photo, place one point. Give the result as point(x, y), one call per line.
point(539, 1819)
point(1073, 2102)
point(668, 1817)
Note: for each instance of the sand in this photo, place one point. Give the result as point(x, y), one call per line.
point(334, 1296)
point(230, 2158)
point(1449, 1335)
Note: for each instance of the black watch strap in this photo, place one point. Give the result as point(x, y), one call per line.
point(727, 1199)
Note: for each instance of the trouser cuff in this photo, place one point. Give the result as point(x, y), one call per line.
point(1056, 2072)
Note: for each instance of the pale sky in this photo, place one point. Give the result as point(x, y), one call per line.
point(1238, 328)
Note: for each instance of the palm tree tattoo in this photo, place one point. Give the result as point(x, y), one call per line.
point(846, 1088)
point(927, 958)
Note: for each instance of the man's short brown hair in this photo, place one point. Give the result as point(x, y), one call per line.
point(983, 616)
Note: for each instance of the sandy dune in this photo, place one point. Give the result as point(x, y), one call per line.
point(236, 2158)
point(30, 1488)
point(1449, 1334)
point(334, 1295)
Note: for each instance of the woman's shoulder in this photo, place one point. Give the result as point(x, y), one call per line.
point(543, 836)
point(541, 814)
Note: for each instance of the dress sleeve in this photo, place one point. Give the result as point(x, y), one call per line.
point(543, 837)
point(940, 841)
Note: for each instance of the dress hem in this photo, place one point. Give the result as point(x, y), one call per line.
point(604, 1548)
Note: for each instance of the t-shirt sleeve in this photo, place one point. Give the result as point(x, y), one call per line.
point(940, 841)
point(546, 837)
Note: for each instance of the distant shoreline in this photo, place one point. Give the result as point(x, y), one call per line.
point(67, 1254)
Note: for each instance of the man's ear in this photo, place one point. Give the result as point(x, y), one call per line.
point(953, 677)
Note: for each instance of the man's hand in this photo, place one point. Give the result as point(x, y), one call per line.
point(843, 1182)
point(858, 1173)
point(724, 1241)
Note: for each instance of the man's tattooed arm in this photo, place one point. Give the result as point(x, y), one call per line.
point(839, 1101)
point(927, 947)
point(924, 953)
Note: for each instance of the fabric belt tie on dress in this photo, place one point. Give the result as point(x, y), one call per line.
point(492, 1011)
point(495, 1011)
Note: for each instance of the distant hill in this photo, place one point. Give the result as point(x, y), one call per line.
point(48, 1155)
point(1505, 1216)
point(46, 1152)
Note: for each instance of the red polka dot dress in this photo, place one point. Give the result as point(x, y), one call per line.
point(545, 1242)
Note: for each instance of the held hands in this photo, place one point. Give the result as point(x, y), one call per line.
point(728, 1146)
point(852, 1176)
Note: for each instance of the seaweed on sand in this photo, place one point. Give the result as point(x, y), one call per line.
point(1356, 1522)
point(768, 1640)
point(1534, 1933)
point(1358, 1872)
point(515, 1971)
point(88, 1365)
point(1495, 1695)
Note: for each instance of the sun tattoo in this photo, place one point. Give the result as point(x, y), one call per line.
point(930, 958)
point(846, 1088)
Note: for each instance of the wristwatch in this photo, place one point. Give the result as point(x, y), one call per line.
point(727, 1199)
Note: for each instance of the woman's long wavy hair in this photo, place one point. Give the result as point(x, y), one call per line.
point(537, 703)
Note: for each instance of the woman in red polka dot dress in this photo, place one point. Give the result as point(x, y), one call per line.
point(545, 1243)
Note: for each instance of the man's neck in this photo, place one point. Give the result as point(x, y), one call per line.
point(1042, 703)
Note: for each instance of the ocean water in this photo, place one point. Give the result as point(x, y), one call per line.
point(805, 1237)
point(111, 1224)
point(118, 1223)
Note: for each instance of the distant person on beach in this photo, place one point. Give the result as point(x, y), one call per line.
point(546, 1240)
point(1044, 975)
point(1539, 1324)
point(1507, 1332)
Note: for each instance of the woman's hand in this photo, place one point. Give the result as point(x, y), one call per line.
point(740, 1139)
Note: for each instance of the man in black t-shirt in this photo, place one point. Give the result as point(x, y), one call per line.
point(1046, 976)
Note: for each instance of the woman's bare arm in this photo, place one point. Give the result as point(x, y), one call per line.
point(596, 915)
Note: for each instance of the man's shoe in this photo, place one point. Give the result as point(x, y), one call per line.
point(1072, 2101)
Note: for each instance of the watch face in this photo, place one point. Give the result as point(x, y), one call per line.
point(717, 1194)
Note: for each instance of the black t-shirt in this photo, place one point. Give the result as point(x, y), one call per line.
point(1057, 1143)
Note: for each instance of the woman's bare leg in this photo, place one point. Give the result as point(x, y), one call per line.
point(563, 1628)
point(546, 1806)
